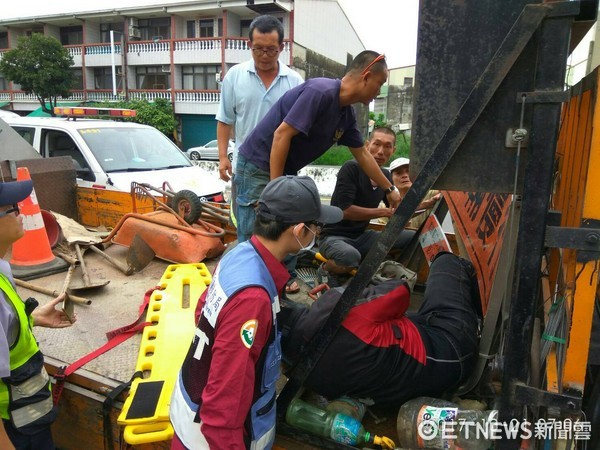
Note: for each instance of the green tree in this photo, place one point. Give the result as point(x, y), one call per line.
point(158, 113)
point(379, 121)
point(41, 66)
point(339, 154)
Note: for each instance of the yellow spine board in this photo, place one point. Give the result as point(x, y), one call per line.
point(162, 350)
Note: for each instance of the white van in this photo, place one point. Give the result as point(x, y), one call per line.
point(110, 155)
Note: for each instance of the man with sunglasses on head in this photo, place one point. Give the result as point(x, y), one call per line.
point(225, 393)
point(25, 399)
point(304, 123)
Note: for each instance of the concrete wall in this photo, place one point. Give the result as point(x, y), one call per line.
point(92, 33)
point(398, 74)
point(585, 57)
point(52, 30)
point(323, 27)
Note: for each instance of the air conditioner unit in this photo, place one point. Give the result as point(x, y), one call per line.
point(166, 69)
point(133, 22)
point(134, 32)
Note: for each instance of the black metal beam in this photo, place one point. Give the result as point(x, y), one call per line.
point(517, 38)
point(550, 75)
point(576, 238)
point(568, 403)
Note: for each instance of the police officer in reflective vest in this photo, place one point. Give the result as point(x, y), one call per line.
point(25, 400)
point(225, 393)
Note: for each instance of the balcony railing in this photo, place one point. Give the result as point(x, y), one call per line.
point(187, 45)
point(148, 46)
point(74, 50)
point(198, 96)
point(102, 49)
point(150, 95)
point(237, 44)
point(102, 95)
point(20, 96)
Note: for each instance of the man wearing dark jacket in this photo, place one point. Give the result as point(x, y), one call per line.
point(381, 352)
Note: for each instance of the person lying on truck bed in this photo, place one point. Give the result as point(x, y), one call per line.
point(225, 392)
point(346, 243)
point(26, 418)
point(382, 353)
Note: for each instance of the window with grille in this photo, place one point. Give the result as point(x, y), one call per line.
point(200, 77)
point(106, 28)
point(152, 77)
point(71, 35)
point(103, 78)
point(191, 28)
point(151, 29)
point(207, 27)
point(78, 79)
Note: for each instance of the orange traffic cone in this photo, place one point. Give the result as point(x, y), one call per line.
point(32, 256)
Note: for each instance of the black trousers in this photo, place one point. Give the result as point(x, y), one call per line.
point(449, 322)
point(38, 441)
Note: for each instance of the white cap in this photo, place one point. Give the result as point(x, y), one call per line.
point(399, 162)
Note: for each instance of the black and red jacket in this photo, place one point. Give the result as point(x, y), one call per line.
point(376, 352)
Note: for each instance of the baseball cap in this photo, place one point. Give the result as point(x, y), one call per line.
point(399, 162)
point(14, 191)
point(295, 199)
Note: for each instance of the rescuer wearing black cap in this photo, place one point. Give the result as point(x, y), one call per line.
point(226, 388)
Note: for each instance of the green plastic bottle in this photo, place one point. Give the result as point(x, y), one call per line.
point(349, 406)
point(336, 426)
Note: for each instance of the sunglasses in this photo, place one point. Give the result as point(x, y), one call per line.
point(14, 209)
point(372, 63)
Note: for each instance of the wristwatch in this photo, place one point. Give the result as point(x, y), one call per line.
point(391, 189)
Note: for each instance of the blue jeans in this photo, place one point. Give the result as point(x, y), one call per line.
point(348, 252)
point(249, 182)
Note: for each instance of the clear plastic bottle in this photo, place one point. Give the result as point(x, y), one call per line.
point(339, 427)
point(426, 422)
point(349, 406)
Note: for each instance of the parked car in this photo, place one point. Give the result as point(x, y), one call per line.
point(110, 155)
point(209, 151)
point(7, 114)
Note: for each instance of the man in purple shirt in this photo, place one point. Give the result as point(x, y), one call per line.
point(304, 123)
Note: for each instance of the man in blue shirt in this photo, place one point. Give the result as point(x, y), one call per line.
point(251, 88)
point(304, 123)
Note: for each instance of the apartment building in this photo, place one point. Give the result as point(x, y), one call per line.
point(179, 50)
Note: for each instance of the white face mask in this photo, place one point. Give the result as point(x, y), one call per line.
point(310, 244)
